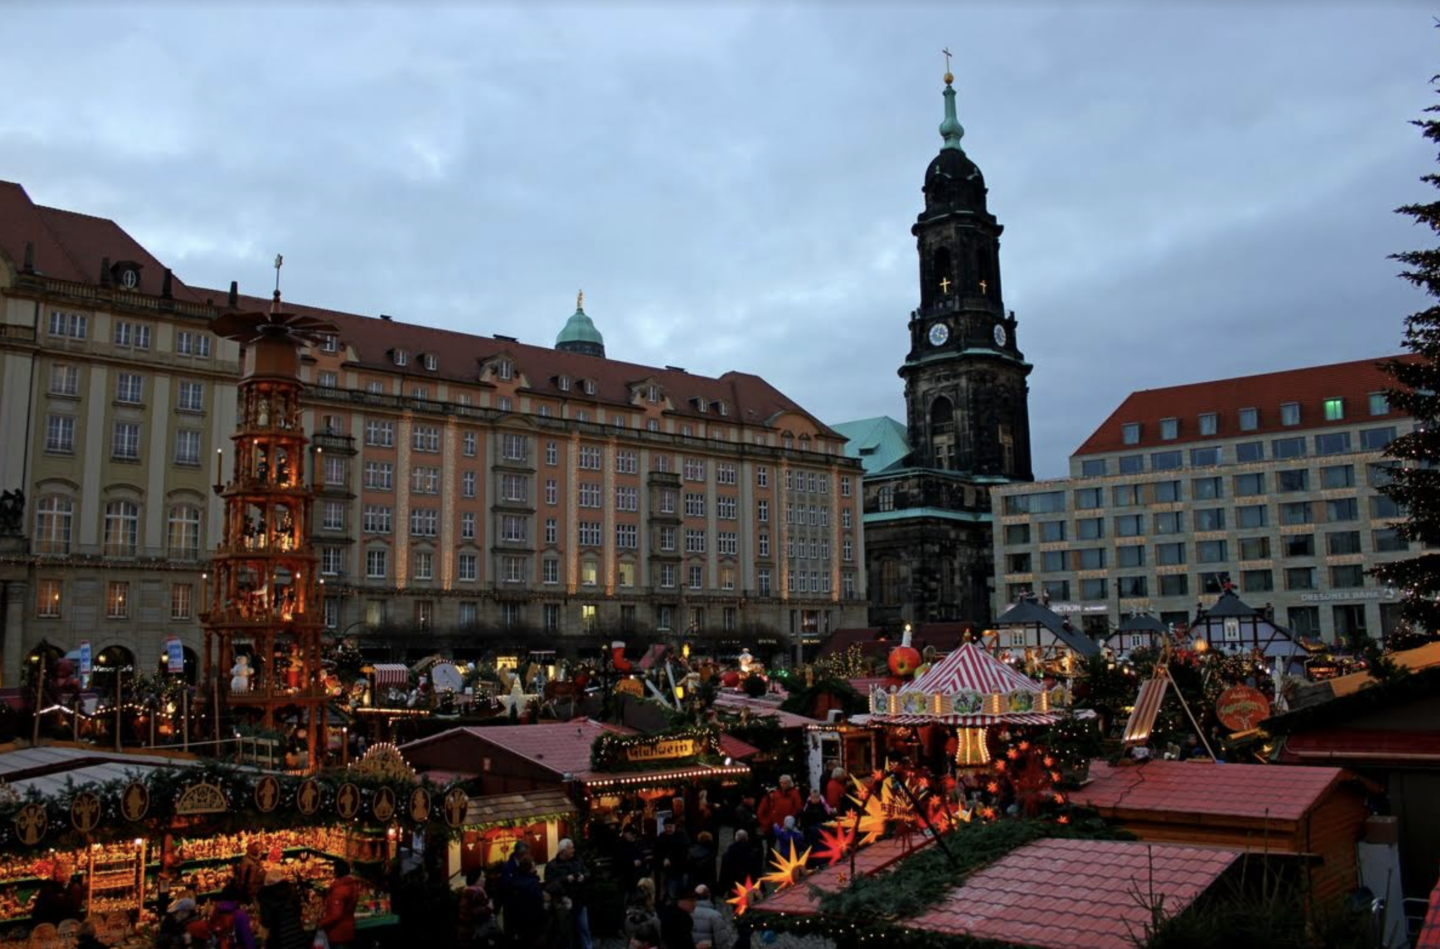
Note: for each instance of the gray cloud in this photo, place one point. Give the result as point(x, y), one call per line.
point(1188, 191)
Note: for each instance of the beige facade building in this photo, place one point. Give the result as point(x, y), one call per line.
point(1268, 482)
point(467, 483)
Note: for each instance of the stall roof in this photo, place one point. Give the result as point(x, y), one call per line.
point(1027, 612)
point(972, 669)
point(48, 769)
point(1075, 894)
point(732, 701)
point(1246, 791)
point(498, 808)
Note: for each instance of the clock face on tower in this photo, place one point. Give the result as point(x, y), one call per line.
point(939, 333)
point(999, 335)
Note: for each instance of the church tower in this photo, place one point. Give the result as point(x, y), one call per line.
point(929, 530)
point(965, 389)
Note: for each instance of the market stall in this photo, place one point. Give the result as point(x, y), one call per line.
point(113, 838)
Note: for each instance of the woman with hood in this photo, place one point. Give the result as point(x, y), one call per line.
point(280, 913)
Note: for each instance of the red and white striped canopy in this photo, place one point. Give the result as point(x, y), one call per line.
point(971, 669)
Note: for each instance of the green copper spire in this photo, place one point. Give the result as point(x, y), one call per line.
point(951, 129)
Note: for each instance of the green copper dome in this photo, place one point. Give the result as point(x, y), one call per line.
point(579, 334)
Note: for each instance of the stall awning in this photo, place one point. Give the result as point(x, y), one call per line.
point(391, 673)
point(598, 779)
point(970, 721)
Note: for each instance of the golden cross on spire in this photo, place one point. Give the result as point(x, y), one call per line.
point(947, 53)
point(944, 284)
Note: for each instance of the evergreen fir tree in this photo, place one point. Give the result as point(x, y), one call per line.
point(1416, 479)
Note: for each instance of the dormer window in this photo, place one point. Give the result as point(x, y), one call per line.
point(1169, 429)
point(1130, 433)
point(564, 382)
point(329, 343)
point(504, 370)
point(722, 408)
point(431, 363)
point(402, 358)
point(589, 386)
point(652, 393)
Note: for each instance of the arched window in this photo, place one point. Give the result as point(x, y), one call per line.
point(183, 537)
point(942, 274)
point(122, 528)
point(942, 433)
point(53, 514)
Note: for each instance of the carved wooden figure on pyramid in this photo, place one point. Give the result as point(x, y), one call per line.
point(264, 603)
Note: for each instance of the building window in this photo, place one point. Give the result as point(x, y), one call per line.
point(1282, 448)
point(1255, 548)
point(60, 434)
point(1337, 476)
point(47, 599)
point(1387, 540)
point(1249, 420)
point(401, 357)
point(552, 531)
point(1379, 403)
point(1338, 543)
point(550, 617)
point(1332, 443)
point(377, 563)
point(64, 380)
point(122, 528)
point(1093, 467)
point(425, 438)
point(375, 387)
point(132, 335)
point(627, 536)
point(1334, 410)
point(1166, 460)
point(187, 448)
point(468, 444)
point(129, 388)
point(192, 344)
point(1376, 439)
point(380, 434)
point(180, 596)
point(467, 525)
point(329, 379)
point(1257, 581)
point(1342, 509)
point(1290, 413)
point(331, 559)
point(117, 600)
point(1169, 429)
point(1299, 578)
point(424, 479)
point(1210, 551)
point(424, 522)
point(1252, 515)
point(1175, 584)
point(550, 571)
point(53, 515)
point(1130, 433)
point(1299, 545)
point(333, 516)
point(184, 532)
point(1131, 464)
point(72, 325)
point(1204, 457)
point(375, 519)
point(1303, 620)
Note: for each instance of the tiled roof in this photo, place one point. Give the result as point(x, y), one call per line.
point(1243, 791)
point(70, 246)
point(561, 747)
point(803, 898)
point(1075, 894)
point(878, 442)
point(1351, 381)
point(735, 748)
point(495, 808)
point(749, 399)
point(732, 701)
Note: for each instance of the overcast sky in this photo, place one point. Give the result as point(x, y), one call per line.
point(1188, 193)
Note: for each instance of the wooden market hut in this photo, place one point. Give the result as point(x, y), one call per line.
point(1316, 815)
point(1137, 631)
point(1234, 627)
point(1031, 632)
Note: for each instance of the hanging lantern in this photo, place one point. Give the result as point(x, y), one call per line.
point(970, 748)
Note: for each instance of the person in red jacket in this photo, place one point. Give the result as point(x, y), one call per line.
point(780, 803)
point(338, 922)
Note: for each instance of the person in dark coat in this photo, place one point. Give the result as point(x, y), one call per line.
point(629, 860)
point(741, 861)
point(676, 924)
point(701, 861)
point(280, 913)
point(672, 856)
point(525, 916)
point(58, 898)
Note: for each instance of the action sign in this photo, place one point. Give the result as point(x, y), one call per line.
point(175, 655)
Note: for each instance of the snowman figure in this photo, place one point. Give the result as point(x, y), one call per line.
point(240, 674)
